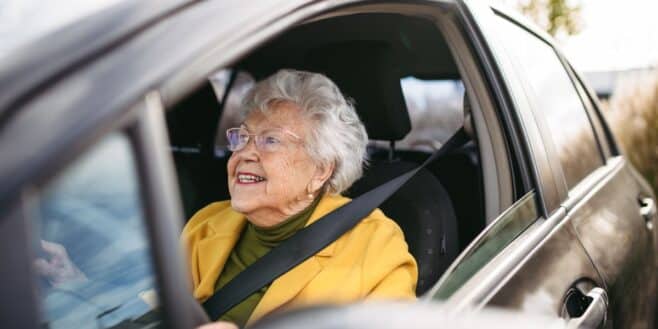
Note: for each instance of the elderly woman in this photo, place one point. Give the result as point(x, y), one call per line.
point(300, 146)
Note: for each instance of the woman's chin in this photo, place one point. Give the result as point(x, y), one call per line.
point(240, 206)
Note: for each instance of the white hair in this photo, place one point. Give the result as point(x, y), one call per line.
point(337, 137)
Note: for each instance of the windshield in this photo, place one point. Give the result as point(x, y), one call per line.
point(92, 255)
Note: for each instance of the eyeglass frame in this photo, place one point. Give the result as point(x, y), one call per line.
point(259, 144)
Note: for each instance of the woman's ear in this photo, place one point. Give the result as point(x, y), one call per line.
point(321, 176)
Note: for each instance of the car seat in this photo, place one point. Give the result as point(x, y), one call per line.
point(192, 125)
point(422, 207)
point(459, 172)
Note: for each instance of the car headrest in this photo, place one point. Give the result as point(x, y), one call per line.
point(368, 73)
point(192, 123)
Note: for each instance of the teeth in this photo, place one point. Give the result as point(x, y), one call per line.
point(242, 178)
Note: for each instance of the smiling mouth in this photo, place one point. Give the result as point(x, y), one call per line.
point(244, 178)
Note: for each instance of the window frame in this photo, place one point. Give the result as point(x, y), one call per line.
point(519, 119)
point(498, 137)
point(143, 126)
point(493, 128)
point(17, 280)
point(592, 105)
point(444, 289)
point(539, 119)
point(550, 148)
point(498, 177)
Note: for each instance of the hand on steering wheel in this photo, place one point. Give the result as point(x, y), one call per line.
point(58, 268)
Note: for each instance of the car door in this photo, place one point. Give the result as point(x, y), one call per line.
point(87, 239)
point(530, 258)
point(604, 200)
point(91, 131)
point(615, 221)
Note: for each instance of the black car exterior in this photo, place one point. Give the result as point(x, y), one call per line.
point(90, 157)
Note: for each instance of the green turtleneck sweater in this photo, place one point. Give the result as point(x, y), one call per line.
point(253, 244)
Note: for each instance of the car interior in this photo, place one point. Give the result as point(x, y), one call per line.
point(378, 60)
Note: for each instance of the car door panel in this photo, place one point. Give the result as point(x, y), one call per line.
point(540, 283)
point(620, 243)
point(532, 273)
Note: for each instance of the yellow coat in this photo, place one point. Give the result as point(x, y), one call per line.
point(371, 260)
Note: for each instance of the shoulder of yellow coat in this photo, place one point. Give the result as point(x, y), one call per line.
point(375, 223)
point(201, 218)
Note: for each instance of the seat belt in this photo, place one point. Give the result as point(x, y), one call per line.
point(313, 238)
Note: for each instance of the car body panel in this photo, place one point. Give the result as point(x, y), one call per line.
point(621, 243)
point(594, 221)
point(77, 43)
point(540, 282)
point(123, 80)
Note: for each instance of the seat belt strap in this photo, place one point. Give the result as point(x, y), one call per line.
point(311, 239)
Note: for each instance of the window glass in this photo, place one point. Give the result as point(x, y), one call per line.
point(504, 230)
point(435, 109)
point(554, 95)
point(231, 111)
point(92, 257)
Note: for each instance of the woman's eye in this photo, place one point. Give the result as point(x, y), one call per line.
point(271, 140)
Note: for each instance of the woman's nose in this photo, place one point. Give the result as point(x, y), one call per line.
point(249, 151)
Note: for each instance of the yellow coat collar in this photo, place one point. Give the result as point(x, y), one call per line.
point(215, 248)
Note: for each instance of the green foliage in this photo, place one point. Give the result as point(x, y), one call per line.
point(554, 16)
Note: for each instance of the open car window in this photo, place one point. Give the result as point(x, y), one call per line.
point(93, 258)
point(436, 111)
point(411, 97)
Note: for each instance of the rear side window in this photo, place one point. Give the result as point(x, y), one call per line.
point(435, 110)
point(553, 94)
point(93, 259)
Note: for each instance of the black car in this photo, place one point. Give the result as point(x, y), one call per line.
point(111, 136)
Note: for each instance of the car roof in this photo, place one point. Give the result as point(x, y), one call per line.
point(41, 60)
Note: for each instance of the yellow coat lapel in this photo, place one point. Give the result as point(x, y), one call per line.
point(287, 286)
point(214, 250)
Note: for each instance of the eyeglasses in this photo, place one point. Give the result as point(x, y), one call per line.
point(271, 140)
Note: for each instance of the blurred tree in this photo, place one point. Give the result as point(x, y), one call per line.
point(554, 16)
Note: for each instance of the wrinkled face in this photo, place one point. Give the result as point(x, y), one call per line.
point(269, 186)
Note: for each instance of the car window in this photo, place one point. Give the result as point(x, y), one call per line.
point(553, 94)
point(435, 110)
point(592, 109)
point(93, 263)
point(509, 225)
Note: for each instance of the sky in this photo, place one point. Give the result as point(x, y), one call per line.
point(615, 34)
